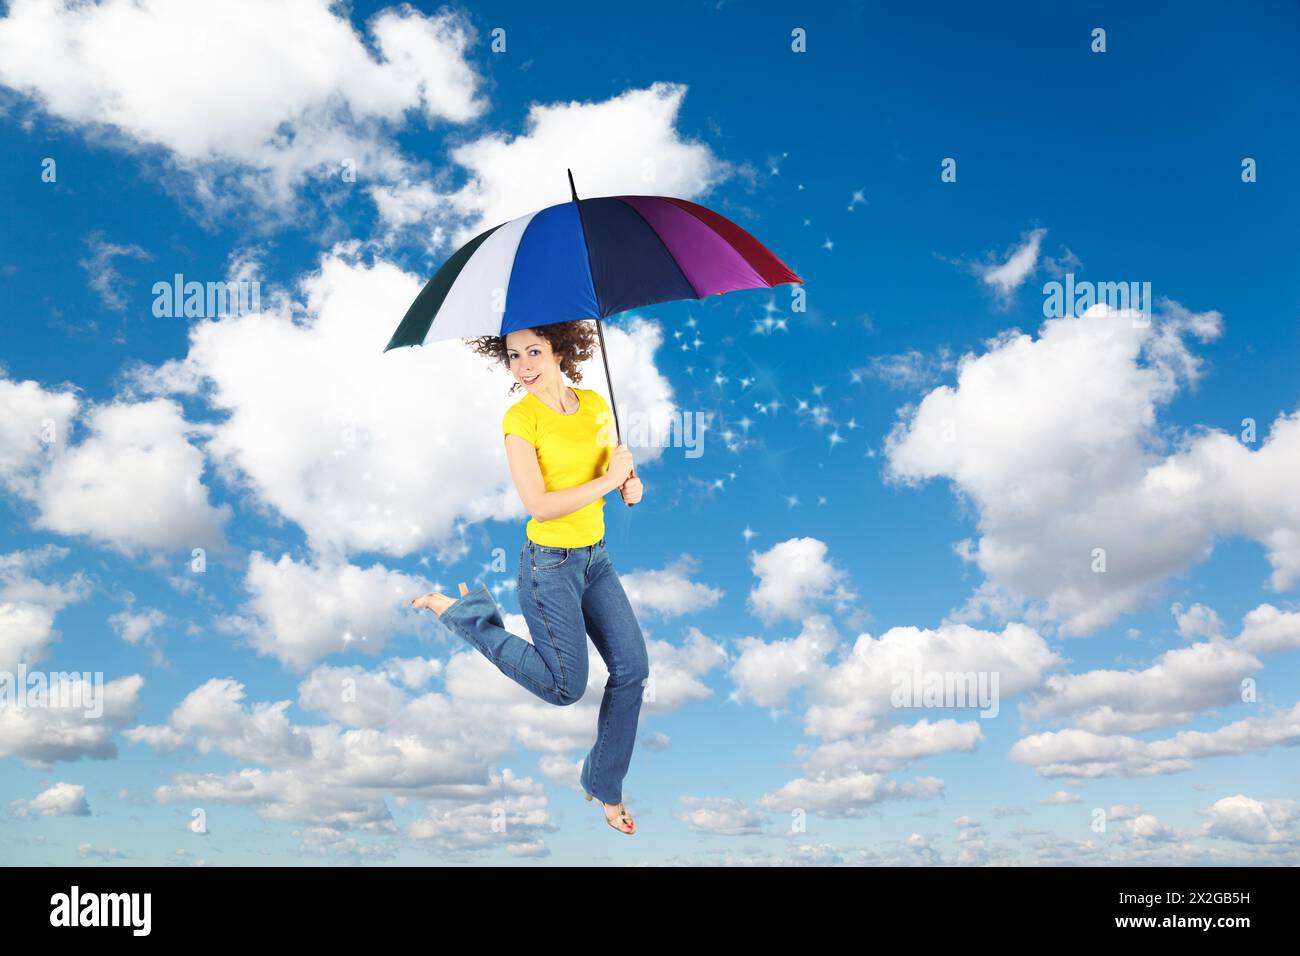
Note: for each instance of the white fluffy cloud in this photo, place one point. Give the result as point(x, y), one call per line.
point(669, 592)
point(102, 275)
point(626, 145)
point(1197, 621)
point(477, 820)
point(794, 577)
point(60, 800)
point(895, 747)
point(719, 816)
point(137, 626)
point(289, 90)
point(1247, 820)
point(846, 795)
point(1083, 754)
point(135, 452)
point(65, 729)
point(325, 775)
point(28, 606)
point(1181, 682)
point(25, 630)
point(128, 453)
point(850, 696)
point(1060, 798)
point(1051, 439)
point(1103, 705)
point(677, 671)
point(1267, 630)
point(846, 696)
point(34, 422)
point(765, 672)
point(1149, 827)
point(1008, 276)
point(847, 700)
point(299, 613)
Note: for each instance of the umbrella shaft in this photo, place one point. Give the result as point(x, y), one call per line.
point(600, 332)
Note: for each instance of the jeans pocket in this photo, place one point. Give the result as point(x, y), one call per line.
point(548, 559)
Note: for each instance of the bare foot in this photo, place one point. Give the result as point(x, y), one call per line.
point(435, 602)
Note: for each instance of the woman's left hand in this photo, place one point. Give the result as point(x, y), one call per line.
point(631, 490)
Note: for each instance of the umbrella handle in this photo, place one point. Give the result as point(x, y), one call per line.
point(630, 476)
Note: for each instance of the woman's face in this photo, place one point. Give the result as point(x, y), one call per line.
point(532, 363)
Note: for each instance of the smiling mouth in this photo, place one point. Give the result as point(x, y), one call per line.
point(529, 381)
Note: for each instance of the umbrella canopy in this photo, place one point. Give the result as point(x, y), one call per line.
point(587, 259)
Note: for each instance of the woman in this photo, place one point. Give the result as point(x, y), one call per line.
point(562, 465)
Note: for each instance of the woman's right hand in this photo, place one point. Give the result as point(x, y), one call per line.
point(620, 465)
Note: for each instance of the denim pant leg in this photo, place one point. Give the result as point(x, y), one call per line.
point(614, 630)
point(554, 662)
point(550, 598)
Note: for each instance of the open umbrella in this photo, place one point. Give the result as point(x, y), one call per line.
point(587, 259)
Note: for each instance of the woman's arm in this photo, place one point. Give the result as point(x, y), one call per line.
point(542, 504)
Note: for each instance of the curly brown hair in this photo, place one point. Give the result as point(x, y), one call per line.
point(572, 342)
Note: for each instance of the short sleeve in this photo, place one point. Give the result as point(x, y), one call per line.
point(603, 413)
point(517, 421)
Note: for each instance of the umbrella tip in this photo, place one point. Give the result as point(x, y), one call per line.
point(573, 189)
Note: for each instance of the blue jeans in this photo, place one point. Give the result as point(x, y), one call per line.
point(566, 594)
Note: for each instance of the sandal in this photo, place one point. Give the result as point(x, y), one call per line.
point(623, 818)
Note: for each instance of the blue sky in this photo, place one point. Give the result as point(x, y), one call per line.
point(915, 471)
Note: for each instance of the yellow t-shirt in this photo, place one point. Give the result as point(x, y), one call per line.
point(571, 450)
